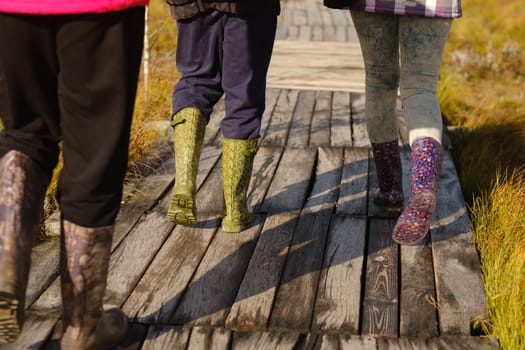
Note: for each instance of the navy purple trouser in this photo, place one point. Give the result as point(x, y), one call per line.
point(218, 53)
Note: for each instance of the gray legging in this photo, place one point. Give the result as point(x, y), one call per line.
point(404, 51)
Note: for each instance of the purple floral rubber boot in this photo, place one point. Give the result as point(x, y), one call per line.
point(389, 195)
point(413, 224)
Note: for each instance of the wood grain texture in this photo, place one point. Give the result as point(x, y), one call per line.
point(320, 128)
point(380, 305)
point(301, 120)
point(166, 337)
point(289, 188)
point(254, 301)
point(459, 286)
point(354, 183)
point(341, 131)
point(209, 339)
point(158, 293)
point(326, 185)
point(272, 95)
point(277, 130)
point(206, 301)
point(212, 134)
point(264, 167)
point(418, 304)
point(265, 340)
point(359, 131)
point(295, 298)
point(338, 302)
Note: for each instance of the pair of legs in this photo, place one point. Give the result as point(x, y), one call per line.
point(220, 53)
point(69, 79)
point(404, 52)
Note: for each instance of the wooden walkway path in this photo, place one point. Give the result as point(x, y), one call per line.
point(317, 269)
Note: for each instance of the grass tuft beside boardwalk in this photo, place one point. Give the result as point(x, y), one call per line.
point(499, 224)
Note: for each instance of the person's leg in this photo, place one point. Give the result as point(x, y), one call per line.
point(28, 153)
point(378, 36)
point(248, 45)
point(422, 41)
point(99, 58)
point(199, 57)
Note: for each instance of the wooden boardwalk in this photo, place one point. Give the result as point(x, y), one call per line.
point(317, 269)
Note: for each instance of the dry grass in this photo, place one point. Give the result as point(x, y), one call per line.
point(481, 89)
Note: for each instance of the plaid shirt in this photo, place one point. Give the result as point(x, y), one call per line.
point(426, 8)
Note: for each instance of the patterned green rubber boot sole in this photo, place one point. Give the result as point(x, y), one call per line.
point(182, 208)
point(9, 327)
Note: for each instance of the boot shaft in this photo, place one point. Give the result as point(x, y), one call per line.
point(389, 170)
point(426, 158)
point(237, 163)
point(84, 264)
point(22, 190)
point(189, 126)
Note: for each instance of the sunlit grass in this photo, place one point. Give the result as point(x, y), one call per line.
point(499, 222)
point(482, 89)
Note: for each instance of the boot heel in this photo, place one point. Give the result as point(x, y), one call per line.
point(9, 314)
point(182, 210)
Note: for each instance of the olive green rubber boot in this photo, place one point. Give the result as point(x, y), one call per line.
point(188, 129)
point(237, 162)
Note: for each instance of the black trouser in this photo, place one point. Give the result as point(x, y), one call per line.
point(72, 78)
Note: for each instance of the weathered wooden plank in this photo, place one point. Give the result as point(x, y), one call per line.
point(299, 16)
point(289, 189)
point(327, 18)
point(328, 173)
point(352, 34)
point(341, 131)
point(339, 295)
point(131, 258)
point(213, 128)
point(272, 95)
point(417, 304)
point(329, 33)
point(44, 269)
point(347, 342)
point(150, 191)
point(343, 342)
point(264, 167)
point(209, 200)
point(312, 12)
point(301, 120)
point(277, 131)
point(157, 294)
point(340, 33)
point(317, 33)
point(254, 300)
point(282, 30)
point(295, 298)
point(459, 286)
point(340, 17)
point(209, 339)
point(354, 183)
point(266, 340)
point(359, 132)
point(380, 305)
point(466, 342)
point(293, 32)
point(305, 32)
point(320, 65)
point(320, 127)
point(166, 337)
point(405, 344)
point(206, 302)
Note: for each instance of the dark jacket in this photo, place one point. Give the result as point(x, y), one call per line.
point(185, 9)
point(337, 4)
